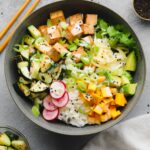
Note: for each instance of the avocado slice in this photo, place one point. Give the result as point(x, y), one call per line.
point(4, 139)
point(124, 80)
point(128, 75)
point(129, 89)
point(115, 81)
point(117, 72)
point(3, 148)
point(19, 145)
point(131, 62)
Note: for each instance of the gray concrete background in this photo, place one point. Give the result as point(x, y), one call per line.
point(39, 138)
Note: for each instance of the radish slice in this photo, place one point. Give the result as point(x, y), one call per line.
point(57, 89)
point(50, 115)
point(62, 101)
point(63, 83)
point(47, 103)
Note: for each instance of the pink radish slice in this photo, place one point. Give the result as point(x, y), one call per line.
point(63, 83)
point(47, 103)
point(57, 89)
point(50, 115)
point(62, 101)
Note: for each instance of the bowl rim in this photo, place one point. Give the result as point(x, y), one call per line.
point(137, 14)
point(17, 132)
point(69, 132)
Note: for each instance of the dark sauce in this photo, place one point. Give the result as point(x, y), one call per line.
point(142, 7)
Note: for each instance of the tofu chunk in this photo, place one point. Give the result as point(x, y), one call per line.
point(57, 17)
point(76, 19)
point(54, 55)
point(88, 39)
point(43, 30)
point(78, 53)
point(69, 35)
point(76, 30)
point(91, 19)
point(60, 49)
point(54, 32)
point(87, 29)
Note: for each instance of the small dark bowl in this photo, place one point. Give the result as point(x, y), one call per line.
point(39, 17)
point(15, 131)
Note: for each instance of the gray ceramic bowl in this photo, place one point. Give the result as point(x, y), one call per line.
point(39, 17)
point(15, 131)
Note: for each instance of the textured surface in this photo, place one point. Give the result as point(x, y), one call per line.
point(42, 139)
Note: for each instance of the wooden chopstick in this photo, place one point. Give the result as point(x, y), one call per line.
point(4, 31)
point(4, 44)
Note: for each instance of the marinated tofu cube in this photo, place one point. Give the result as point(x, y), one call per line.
point(76, 19)
point(54, 32)
point(68, 34)
point(54, 55)
point(88, 39)
point(78, 53)
point(88, 29)
point(91, 19)
point(57, 17)
point(60, 49)
point(76, 30)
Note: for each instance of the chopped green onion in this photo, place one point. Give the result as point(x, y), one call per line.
point(35, 111)
point(85, 60)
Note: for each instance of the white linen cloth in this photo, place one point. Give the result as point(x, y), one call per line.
point(133, 134)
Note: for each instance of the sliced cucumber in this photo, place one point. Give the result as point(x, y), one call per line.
point(34, 31)
point(19, 145)
point(24, 81)
point(46, 62)
point(39, 87)
point(55, 72)
point(3, 148)
point(23, 67)
point(34, 69)
point(4, 139)
point(28, 39)
point(25, 54)
point(24, 89)
point(45, 77)
point(10, 148)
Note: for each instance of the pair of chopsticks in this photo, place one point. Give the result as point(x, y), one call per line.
point(6, 41)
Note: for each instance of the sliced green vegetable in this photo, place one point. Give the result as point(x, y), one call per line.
point(34, 69)
point(24, 89)
point(28, 39)
point(45, 77)
point(34, 31)
point(4, 139)
point(82, 86)
point(85, 60)
point(19, 145)
point(3, 147)
point(35, 111)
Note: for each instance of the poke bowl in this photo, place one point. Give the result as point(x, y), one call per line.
point(75, 70)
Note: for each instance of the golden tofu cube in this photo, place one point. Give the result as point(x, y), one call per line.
point(54, 32)
point(91, 87)
point(60, 48)
point(120, 99)
point(98, 110)
point(76, 19)
point(54, 55)
point(91, 19)
point(88, 39)
point(57, 17)
point(106, 92)
point(88, 29)
point(76, 30)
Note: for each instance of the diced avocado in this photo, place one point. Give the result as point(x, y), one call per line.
point(38, 87)
point(124, 80)
point(28, 39)
point(19, 145)
point(117, 72)
point(34, 69)
point(4, 139)
point(131, 62)
point(115, 81)
point(45, 77)
point(24, 89)
point(82, 86)
point(128, 75)
point(24, 81)
point(10, 148)
point(34, 31)
point(3, 148)
point(129, 89)
point(46, 62)
point(12, 135)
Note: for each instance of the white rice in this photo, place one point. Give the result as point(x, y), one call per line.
point(69, 113)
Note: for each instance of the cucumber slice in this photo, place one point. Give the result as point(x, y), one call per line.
point(4, 139)
point(38, 87)
point(46, 62)
point(3, 148)
point(28, 39)
point(45, 77)
point(24, 89)
point(24, 81)
point(34, 31)
point(34, 69)
point(23, 67)
point(19, 145)
point(10, 148)
point(25, 54)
